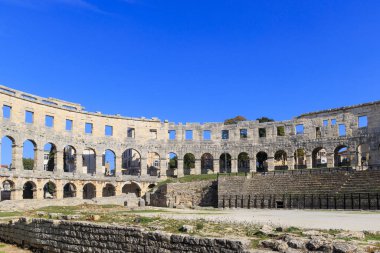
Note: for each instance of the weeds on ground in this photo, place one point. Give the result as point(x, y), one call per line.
point(9, 214)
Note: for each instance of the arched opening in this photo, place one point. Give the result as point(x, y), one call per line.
point(109, 163)
point(69, 190)
point(342, 156)
point(207, 163)
point(108, 190)
point(132, 187)
point(89, 161)
point(131, 162)
point(243, 162)
point(89, 191)
point(225, 163)
point(261, 162)
point(363, 155)
point(69, 159)
point(300, 159)
point(29, 190)
point(188, 163)
point(50, 157)
point(6, 191)
point(153, 163)
point(7, 150)
point(319, 157)
point(172, 160)
point(50, 190)
point(280, 160)
point(29, 155)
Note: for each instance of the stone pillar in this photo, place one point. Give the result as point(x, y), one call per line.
point(17, 158)
point(163, 167)
point(270, 162)
point(180, 170)
point(290, 161)
point(39, 163)
point(39, 192)
point(216, 165)
point(99, 165)
point(99, 190)
point(59, 162)
point(234, 165)
point(252, 164)
point(144, 166)
point(330, 160)
point(309, 161)
point(118, 165)
point(197, 169)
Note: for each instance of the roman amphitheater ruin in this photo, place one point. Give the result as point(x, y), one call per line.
point(85, 155)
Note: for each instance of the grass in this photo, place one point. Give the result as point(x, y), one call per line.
point(293, 230)
point(372, 237)
point(2, 245)
point(189, 178)
point(9, 214)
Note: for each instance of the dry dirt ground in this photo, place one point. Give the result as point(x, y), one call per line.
point(308, 219)
point(6, 248)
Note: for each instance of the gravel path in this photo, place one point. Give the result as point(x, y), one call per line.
point(309, 219)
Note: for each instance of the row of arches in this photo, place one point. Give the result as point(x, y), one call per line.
point(70, 190)
point(131, 159)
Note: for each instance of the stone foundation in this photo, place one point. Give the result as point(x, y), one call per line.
point(64, 236)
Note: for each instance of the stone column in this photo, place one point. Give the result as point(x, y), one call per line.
point(270, 162)
point(144, 168)
point(309, 161)
point(39, 163)
point(330, 160)
point(163, 167)
point(234, 165)
point(252, 164)
point(59, 162)
point(216, 165)
point(197, 169)
point(118, 165)
point(290, 161)
point(17, 158)
point(180, 170)
point(99, 165)
point(39, 192)
point(99, 190)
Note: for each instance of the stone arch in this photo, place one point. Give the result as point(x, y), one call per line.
point(207, 163)
point(153, 163)
point(225, 163)
point(29, 154)
point(172, 160)
point(69, 159)
point(109, 190)
point(50, 190)
point(8, 187)
point(69, 190)
point(8, 144)
point(281, 160)
point(188, 163)
point(243, 162)
point(131, 162)
point(133, 188)
point(109, 162)
point(261, 161)
point(363, 156)
point(89, 161)
point(342, 156)
point(319, 157)
point(300, 161)
point(89, 191)
point(29, 190)
point(50, 157)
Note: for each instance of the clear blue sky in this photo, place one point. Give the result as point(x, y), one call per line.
point(194, 61)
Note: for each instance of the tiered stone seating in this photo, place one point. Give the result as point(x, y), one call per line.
point(367, 181)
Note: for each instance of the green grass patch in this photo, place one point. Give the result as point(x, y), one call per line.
point(372, 237)
point(293, 230)
point(145, 211)
point(60, 209)
point(2, 245)
point(10, 214)
point(255, 243)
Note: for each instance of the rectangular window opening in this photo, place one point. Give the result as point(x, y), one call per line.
point(7, 111)
point(88, 128)
point(153, 133)
point(131, 132)
point(262, 132)
point(333, 122)
point(243, 133)
point(325, 122)
point(318, 133)
point(280, 131)
point(189, 135)
point(342, 130)
point(300, 129)
point(172, 134)
point(108, 130)
point(69, 125)
point(206, 135)
point(225, 134)
point(29, 117)
point(49, 121)
point(362, 121)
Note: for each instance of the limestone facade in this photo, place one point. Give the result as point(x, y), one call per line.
point(142, 147)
